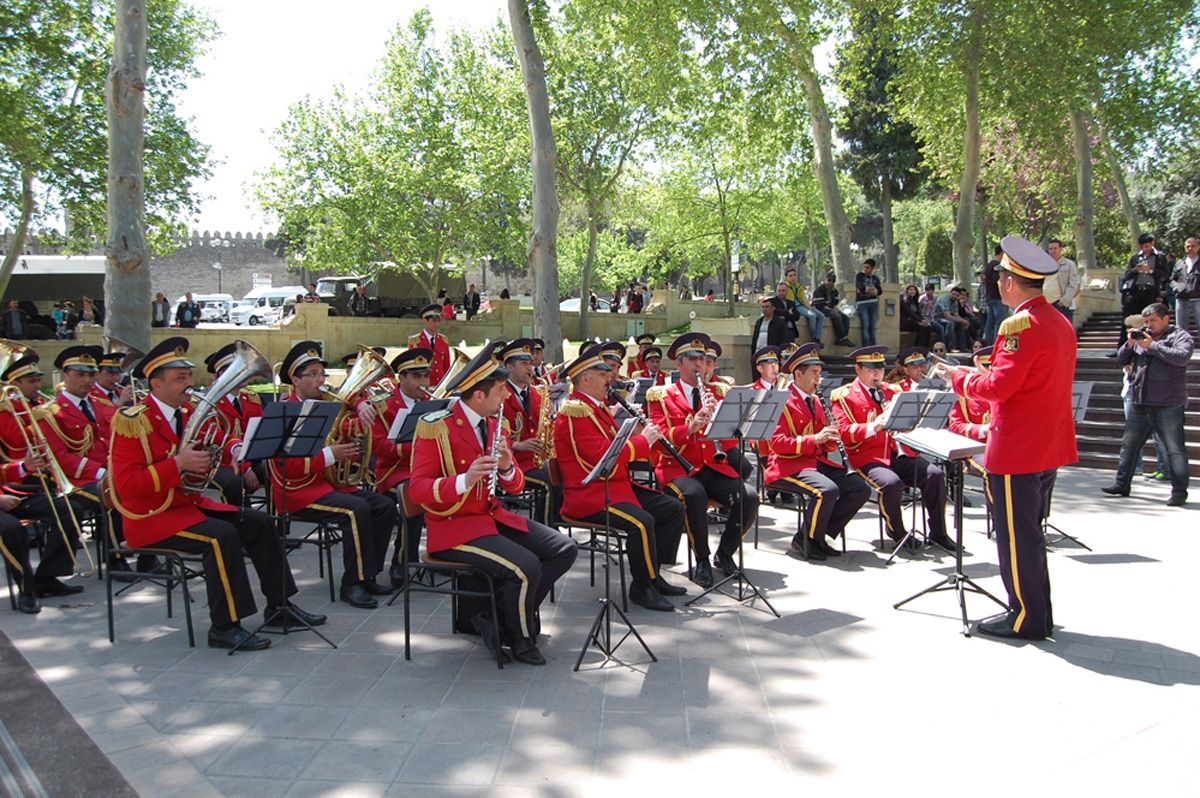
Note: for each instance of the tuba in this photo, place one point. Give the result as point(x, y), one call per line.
point(247, 364)
point(460, 360)
point(367, 370)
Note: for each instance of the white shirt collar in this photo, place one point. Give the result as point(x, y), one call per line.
point(75, 400)
point(167, 411)
point(473, 419)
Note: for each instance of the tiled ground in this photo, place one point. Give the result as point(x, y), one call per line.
point(843, 691)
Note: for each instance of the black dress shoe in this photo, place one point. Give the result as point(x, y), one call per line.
point(1176, 500)
point(28, 604)
point(232, 638)
point(525, 650)
point(45, 588)
point(487, 632)
point(1115, 490)
point(1001, 627)
point(815, 553)
point(149, 564)
point(396, 576)
point(357, 596)
point(376, 589)
point(826, 549)
point(725, 563)
point(646, 597)
point(667, 589)
point(310, 618)
point(702, 574)
point(945, 542)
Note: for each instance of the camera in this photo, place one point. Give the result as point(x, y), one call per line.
point(1139, 334)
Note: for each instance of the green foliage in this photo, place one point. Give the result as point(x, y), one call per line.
point(935, 257)
point(1168, 197)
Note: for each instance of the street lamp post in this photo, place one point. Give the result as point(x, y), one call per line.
point(217, 266)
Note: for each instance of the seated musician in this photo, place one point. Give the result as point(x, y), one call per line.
point(457, 454)
point(583, 431)
point(766, 365)
point(393, 461)
point(14, 539)
point(523, 413)
point(971, 417)
point(682, 411)
point(542, 374)
point(645, 342)
point(613, 353)
point(235, 480)
point(800, 463)
point(429, 338)
point(873, 451)
point(909, 369)
point(651, 356)
point(149, 460)
point(108, 390)
point(365, 518)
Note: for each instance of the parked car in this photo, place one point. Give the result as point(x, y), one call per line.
point(572, 305)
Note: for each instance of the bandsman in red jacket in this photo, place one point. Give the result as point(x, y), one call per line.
point(766, 365)
point(429, 338)
point(542, 374)
point(461, 461)
point(234, 480)
point(523, 413)
point(651, 358)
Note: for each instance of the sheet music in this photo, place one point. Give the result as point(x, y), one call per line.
point(306, 410)
point(941, 443)
point(394, 430)
point(248, 435)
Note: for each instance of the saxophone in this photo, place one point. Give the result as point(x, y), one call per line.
point(545, 426)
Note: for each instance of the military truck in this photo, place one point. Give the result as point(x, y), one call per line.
point(391, 292)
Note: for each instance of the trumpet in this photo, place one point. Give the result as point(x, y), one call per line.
point(39, 448)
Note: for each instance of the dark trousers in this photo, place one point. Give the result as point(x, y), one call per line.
point(916, 472)
point(220, 540)
point(652, 530)
point(527, 564)
point(56, 554)
point(1018, 504)
point(835, 495)
point(14, 547)
point(840, 322)
point(1166, 424)
point(408, 533)
point(547, 499)
point(739, 499)
point(924, 332)
point(366, 520)
point(232, 485)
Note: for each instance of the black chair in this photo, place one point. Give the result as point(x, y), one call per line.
point(602, 540)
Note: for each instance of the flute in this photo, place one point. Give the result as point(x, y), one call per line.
point(640, 416)
point(494, 477)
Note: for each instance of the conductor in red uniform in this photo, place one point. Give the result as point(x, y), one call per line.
point(1032, 431)
point(455, 455)
point(429, 338)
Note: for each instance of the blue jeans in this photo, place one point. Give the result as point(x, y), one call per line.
point(1160, 448)
point(815, 319)
point(1166, 423)
point(997, 312)
point(1187, 310)
point(868, 314)
point(954, 335)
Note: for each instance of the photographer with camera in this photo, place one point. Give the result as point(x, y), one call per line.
point(1143, 281)
point(1159, 354)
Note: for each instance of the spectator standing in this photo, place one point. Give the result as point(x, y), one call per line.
point(634, 299)
point(447, 308)
point(789, 312)
point(1159, 354)
point(66, 330)
point(951, 323)
point(593, 302)
point(1143, 281)
point(90, 314)
point(160, 311)
point(16, 321)
point(825, 302)
point(911, 319)
point(614, 302)
point(1069, 284)
point(358, 303)
point(188, 313)
point(795, 295)
point(867, 289)
point(770, 329)
point(1185, 279)
point(993, 306)
point(311, 296)
point(471, 302)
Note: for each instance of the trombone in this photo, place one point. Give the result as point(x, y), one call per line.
point(38, 447)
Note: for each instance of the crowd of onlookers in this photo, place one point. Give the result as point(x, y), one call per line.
point(18, 323)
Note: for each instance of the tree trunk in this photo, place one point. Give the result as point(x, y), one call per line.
point(585, 282)
point(18, 240)
point(1118, 175)
point(127, 277)
point(1085, 220)
point(891, 258)
point(543, 241)
point(964, 227)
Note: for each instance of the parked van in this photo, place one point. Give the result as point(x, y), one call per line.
point(263, 305)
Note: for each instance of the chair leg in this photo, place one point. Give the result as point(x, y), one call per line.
point(187, 602)
point(12, 595)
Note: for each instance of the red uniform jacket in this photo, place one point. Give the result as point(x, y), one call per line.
point(305, 478)
point(793, 446)
point(236, 420)
point(146, 480)
point(521, 425)
point(1029, 390)
point(672, 411)
point(445, 446)
point(12, 442)
point(441, 354)
point(543, 375)
point(393, 463)
point(79, 445)
point(582, 434)
point(970, 417)
point(660, 376)
point(854, 408)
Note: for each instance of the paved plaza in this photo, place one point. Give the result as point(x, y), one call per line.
point(842, 693)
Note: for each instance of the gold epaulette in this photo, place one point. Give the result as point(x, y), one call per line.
point(656, 394)
point(252, 397)
point(719, 388)
point(415, 337)
point(573, 408)
point(428, 424)
point(839, 393)
point(132, 422)
point(1016, 324)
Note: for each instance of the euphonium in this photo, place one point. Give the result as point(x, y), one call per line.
point(247, 364)
point(456, 365)
point(347, 428)
point(545, 426)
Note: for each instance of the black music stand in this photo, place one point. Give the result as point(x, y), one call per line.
point(951, 450)
point(286, 430)
point(1081, 392)
point(600, 632)
point(910, 411)
point(744, 414)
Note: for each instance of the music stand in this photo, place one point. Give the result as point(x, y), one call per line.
point(907, 412)
point(827, 385)
point(1081, 393)
point(949, 449)
point(744, 414)
point(286, 430)
point(600, 632)
point(404, 428)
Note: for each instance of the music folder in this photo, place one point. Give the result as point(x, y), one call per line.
point(918, 409)
point(405, 426)
point(1081, 394)
point(941, 444)
point(606, 464)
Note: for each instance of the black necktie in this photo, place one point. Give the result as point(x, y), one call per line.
point(87, 411)
point(112, 395)
point(179, 424)
point(525, 400)
point(808, 400)
point(877, 395)
point(237, 405)
point(696, 399)
point(483, 435)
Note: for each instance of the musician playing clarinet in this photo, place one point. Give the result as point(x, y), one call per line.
point(682, 411)
point(873, 451)
point(461, 460)
point(800, 463)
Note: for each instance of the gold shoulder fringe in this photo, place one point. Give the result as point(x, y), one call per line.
point(131, 422)
point(252, 397)
point(1015, 325)
point(573, 408)
point(719, 388)
point(839, 393)
point(656, 394)
point(428, 425)
point(44, 411)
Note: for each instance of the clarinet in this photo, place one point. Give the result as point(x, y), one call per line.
point(640, 416)
point(494, 477)
point(841, 446)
